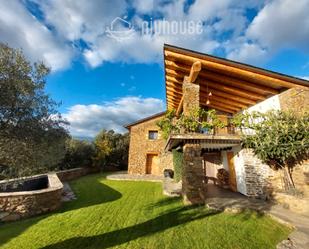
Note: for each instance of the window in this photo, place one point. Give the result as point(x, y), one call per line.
point(152, 135)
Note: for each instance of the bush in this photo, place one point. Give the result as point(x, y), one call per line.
point(178, 162)
point(78, 154)
point(111, 149)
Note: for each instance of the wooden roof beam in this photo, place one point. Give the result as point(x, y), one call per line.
point(252, 76)
point(227, 89)
point(222, 79)
point(172, 92)
point(222, 94)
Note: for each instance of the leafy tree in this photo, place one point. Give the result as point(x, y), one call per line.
point(120, 150)
point(279, 139)
point(78, 153)
point(32, 133)
point(111, 149)
point(102, 146)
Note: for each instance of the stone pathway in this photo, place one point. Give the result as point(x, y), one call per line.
point(124, 176)
point(67, 193)
point(299, 238)
point(226, 200)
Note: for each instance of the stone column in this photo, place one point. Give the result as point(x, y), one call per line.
point(191, 96)
point(192, 174)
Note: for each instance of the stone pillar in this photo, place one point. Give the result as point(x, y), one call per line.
point(192, 174)
point(191, 97)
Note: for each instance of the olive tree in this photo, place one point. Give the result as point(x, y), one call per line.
point(32, 133)
point(280, 139)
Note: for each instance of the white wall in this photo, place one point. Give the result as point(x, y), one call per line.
point(271, 103)
point(239, 168)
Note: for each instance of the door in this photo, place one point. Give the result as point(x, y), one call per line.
point(212, 162)
point(151, 162)
point(232, 173)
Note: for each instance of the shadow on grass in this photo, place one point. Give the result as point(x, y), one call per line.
point(89, 191)
point(173, 218)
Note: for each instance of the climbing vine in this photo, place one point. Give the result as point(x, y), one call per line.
point(195, 121)
point(177, 161)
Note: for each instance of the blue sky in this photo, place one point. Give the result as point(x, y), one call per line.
point(105, 80)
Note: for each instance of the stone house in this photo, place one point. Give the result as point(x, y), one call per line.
point(193, 79)
point(146, 151)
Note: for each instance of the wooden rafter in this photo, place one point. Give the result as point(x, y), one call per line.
point(245, 74)
point(222, 79)
point(232, 90)
point(217, 93)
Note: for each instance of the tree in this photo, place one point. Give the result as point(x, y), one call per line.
point(111, 149)
point(279, 139)
point(103, 147)
point(77, 154)
point(32, 133)
point(120, 150)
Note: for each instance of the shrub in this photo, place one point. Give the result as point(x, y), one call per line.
point(77, 154)
point(178, 164)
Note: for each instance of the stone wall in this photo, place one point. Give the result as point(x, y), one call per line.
point(17, 205)
point(295, 100)
point(257, 175)
point(72, 174)
point(193, 174)
point(140, 146)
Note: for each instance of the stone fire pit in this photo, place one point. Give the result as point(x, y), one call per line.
point(20, 198)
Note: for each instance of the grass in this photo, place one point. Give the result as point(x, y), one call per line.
point(123, 214)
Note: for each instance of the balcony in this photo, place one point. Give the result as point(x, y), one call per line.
point(218, 138)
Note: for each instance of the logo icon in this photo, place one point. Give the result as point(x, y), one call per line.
point(120, 29)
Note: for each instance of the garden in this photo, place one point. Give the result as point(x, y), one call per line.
point(125, 214)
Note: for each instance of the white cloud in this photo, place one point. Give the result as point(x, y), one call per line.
point(82, 19)
point(88, 120)
point(279, 23)
point(144, 7)
point(303, 77)
point(20, 29)
point(247, 52)
point(282, 23)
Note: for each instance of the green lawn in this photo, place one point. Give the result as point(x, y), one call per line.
point(123, 214)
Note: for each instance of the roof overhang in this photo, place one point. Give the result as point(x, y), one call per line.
point(234, 86)
point(206, 141)
point(128, 126)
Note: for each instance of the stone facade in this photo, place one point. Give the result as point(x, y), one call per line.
point(141, 145)
point(295, 100)
point(193, 174)
point(22, 204)
point(260, 179)
point(257, 176)
point(191, 97)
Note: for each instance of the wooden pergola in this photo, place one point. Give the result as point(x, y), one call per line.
point(228, 86)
